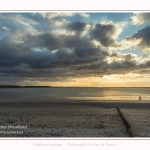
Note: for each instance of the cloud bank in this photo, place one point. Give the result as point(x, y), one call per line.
point(54, 46)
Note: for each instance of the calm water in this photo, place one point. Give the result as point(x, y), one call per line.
point(54, 94)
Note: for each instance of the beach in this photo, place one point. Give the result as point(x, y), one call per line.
point(73, 119)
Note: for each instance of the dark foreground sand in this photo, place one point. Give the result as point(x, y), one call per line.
point(74, 119)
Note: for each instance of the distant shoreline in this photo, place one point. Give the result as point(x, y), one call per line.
point(18, 86)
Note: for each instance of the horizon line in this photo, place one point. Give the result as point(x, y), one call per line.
point(21, 86)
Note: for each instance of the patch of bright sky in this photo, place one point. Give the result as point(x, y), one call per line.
point(38, 49)
point(115, 17)
point(138, 52)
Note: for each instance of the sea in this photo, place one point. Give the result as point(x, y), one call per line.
point(73, 93)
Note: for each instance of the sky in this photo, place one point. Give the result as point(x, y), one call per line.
point(75, 49)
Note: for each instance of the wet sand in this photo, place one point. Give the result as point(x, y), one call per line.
point(139, 119)
point(69, 119)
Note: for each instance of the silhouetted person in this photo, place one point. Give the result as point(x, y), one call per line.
point(140, 98)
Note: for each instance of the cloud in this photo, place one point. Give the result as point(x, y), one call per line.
point(145, 65)
point(50, 45)
point(140, 18)
point(77, 26)
point(60, 19)
point(125, 63)
point(84, 15)
point(17, 21)
point(48, 51)
point(3, 30)
point(80, 28)
point(106, 33)
point(140, 39)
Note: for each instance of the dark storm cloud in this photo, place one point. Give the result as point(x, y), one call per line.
point(125, 65)
point(82, 47)
point(77, 26)
point(143, 36)
point(46, 40)
point(145, 65)
point(8, 51)
point(53, 41)
point(87, 51)
point(105, 67)
point(41, 56)
point(43, 52)
point(104, 33)
point(85, 48)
